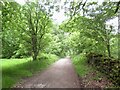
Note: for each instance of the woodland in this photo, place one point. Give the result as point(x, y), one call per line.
point(31, 40)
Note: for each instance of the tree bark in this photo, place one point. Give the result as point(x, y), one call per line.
point(108, 49)
point(34, 47)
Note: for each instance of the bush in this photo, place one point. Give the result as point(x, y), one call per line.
point(109, 66)
point(43, 56)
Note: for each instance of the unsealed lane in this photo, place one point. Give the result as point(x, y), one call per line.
point(60, 75)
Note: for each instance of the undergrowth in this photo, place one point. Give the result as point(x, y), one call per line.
point(80, 64)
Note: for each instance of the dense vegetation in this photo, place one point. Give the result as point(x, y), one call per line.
point(89, 34)
point(28, 31)
point(106, 65)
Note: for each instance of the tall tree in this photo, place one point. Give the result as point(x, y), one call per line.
point(24, 28)
point(37, 23)
point(93, 24)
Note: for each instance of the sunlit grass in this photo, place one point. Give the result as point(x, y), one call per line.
point(6, 63)
point(80, 64)
point(15, 69)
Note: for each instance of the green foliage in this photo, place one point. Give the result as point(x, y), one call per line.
point(93, 27)
point(28, 31)
point(10, 35)
point(43, 56)
point(15, 69)
point(25, 29)
point(109, 66)
point(89, 32)
point(115, 46)
point(80, 64)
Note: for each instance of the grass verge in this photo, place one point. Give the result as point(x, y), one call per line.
point(80, 64)
point(91, 77)
point(82, 67)
point(15, 69)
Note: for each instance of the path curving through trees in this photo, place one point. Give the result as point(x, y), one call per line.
point(60, 75)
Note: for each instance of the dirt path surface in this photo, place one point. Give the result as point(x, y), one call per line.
point(60, 75)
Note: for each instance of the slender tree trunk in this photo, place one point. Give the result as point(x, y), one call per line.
point(108, 49)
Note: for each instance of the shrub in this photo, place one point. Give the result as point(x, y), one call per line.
point(109, 66)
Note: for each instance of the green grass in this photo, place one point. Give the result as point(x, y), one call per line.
point(15, 69)
point(82, 67)
point(80, 64)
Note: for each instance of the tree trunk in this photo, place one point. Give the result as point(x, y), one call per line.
point(34, 47)
point(108, 49)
